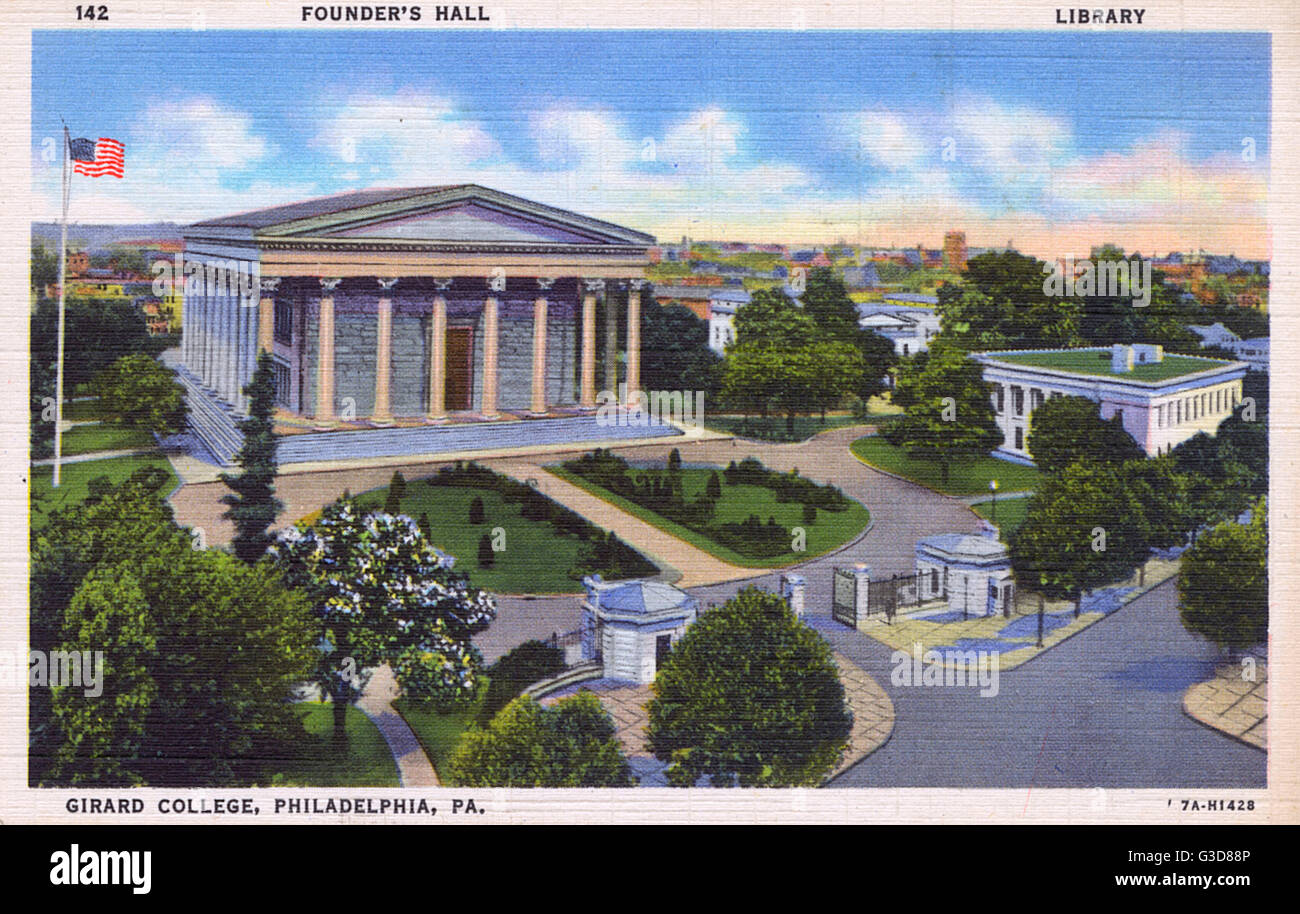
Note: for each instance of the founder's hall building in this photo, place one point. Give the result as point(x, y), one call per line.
point(417, 305)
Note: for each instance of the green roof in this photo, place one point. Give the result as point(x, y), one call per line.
point(1097, 362)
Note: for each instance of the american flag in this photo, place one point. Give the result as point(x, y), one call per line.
point(105, 157)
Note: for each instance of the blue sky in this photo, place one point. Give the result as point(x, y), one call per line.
point(1053, 140)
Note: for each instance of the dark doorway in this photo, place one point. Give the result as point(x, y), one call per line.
point(460, 367)
point(663, 644)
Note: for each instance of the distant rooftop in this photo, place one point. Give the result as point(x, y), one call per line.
point(1098, 362)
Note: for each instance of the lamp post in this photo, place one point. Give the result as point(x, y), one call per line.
point(993, 490)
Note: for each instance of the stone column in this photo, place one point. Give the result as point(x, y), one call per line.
point(587, 396)
point(490, 322)
point(207, 341)
point(382, 414)
point(634, 341)
point(438, 360)
point(611, 344)
point(324, 413)
point(538, 406)
point(266, 317)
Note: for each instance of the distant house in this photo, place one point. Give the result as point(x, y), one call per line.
point(1214, 334)
point(694, 298)
point(1254, 352)
point(1161, 400)
point(723, 305)
point(909, 328)
point(863, 277)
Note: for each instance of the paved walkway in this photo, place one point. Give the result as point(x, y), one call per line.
point(100, 455)
point(691, 565)
point(413, 764)
point(1232, 704)
point(873, 713)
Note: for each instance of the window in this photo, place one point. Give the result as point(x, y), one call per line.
point(284, 322)
point(1017, 400)
point(283, 385)
point(1020, 439)
point(997, 398)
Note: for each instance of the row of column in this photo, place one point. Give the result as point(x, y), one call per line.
point(217, 343)
point(382, 412)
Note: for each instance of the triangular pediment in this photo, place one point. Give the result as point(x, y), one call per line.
point(467, 223)
point(459, 215)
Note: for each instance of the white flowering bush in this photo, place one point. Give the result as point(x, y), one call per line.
point(384, 594)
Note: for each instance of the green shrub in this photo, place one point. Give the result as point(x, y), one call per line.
point(528, 663)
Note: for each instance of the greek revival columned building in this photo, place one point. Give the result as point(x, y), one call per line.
point(413, 306)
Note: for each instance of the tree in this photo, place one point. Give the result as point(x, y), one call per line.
point(1002, 303)
point(382, 594)
point(396, 492)
point(570, 744)
point(477, 512)
point(201, 656)
point(45, 267)
point(1066, 429)
point(487, 556)
point(675, 353)
point(749, 696)
point(713, 488)
point(826, 300)
point(139, 392)
point(1084, 529)
point(790, 376)
point(200, 651)
point(1223, 587)
point(515, 671)
point(253, 507)
point(947, 411)
point(97, 333)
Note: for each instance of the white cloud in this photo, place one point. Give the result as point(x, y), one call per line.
point(887, 139)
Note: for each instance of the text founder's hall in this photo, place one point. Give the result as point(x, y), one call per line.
point(418, 304)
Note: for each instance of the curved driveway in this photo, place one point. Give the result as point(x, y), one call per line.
point(1102, 709)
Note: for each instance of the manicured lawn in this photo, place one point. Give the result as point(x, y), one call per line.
point(437, 733)
point(965, 477)
point(831, 530)
point(1010, 514)
point(368, 763)
point(81, 410)
point(86, 439)
point(75, 482)
point(774, 427)
point(536, 558)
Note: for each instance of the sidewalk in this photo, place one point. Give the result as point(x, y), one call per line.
point(1231, 704)
point(413, 765)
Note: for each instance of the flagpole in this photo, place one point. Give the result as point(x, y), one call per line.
point(63, 290)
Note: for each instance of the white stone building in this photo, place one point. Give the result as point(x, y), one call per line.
point(1162, 400)
point(630, 626)
point(972, 572)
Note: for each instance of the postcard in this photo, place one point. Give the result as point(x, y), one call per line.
point(555, 413)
